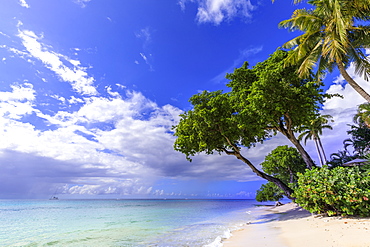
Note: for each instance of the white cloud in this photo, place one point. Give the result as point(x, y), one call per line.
point(74, 100)
point(57, 97)
point(75, 75)
point(146, 60)
point(82, 3)
point(24, 4)
point(125, 158)
point(145, 35)
point(120, 145)
point(19, 93)
point(216, 11)
point(17, 103)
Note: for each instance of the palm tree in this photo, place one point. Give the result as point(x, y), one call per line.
point(362, 116)
point(313, 131)
point(331, 38)
point(338, 159)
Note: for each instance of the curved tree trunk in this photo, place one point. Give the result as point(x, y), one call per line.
point(305, 156)
point(352, 82)
point(288, 132)
point(287, 190)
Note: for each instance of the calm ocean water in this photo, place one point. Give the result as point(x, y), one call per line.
point(120, 222)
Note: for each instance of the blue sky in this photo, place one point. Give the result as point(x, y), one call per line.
point(89, 91)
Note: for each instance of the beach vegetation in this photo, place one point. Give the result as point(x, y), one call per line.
point(360, 140)
point(338, 191)
point(269, 192)
point(211, 127)
point(280, 100)
point(339, 158)
point(264, 100)
point(362, 117)
point(335, 35)
point(358, 145)
point(283, 162)
point(313, 131)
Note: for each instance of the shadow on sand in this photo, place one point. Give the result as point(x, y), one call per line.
point(295, 213)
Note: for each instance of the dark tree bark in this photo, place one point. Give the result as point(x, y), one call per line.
point(287, 190)
point(288, 132)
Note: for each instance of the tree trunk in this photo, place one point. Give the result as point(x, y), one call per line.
point(305, 156)
point(352, 82)
point(318, 151)
point(287, 131)
point(287, 190)
point(323, 151)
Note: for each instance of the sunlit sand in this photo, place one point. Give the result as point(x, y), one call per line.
point(291, 226)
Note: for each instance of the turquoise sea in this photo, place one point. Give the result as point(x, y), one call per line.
point(121, 222)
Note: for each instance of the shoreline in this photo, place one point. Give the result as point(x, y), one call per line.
point(291, 226)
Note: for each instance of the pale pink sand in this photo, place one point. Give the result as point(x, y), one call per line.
point(295, 227)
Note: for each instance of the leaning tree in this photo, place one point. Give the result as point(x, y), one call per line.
point(264, 100)
point(280, 99)
point(212, 127)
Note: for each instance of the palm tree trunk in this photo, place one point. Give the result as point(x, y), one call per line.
point(318, 152)
point(322, 150)
point(352, 82)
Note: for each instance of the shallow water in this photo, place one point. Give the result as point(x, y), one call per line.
point(120, 222)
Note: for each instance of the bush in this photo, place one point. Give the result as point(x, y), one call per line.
point(338, 191)
point(269, 192)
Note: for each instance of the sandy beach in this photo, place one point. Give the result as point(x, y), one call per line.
point(292, 226)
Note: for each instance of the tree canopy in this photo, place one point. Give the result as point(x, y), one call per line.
point(284, 163)
point(264, 100)
point(332, 37)
point(280, 100)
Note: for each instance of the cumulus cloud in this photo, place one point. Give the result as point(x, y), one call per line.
point(67, 69)
point(110, 145)
point(217, 11)
point(342, 110)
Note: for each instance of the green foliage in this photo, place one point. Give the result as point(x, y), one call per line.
point(338, 191)
point(283, 162)
point(362, 117)
point(269, 192)
point(280, 100)
point(212, 126)
point(266, 99)
point(339, 158)
point(360, 139)
point(275, 93)
point(331, 36)
point(262, 99)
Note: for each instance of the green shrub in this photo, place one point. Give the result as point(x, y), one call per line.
point(338, 191)
point(269, 192)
